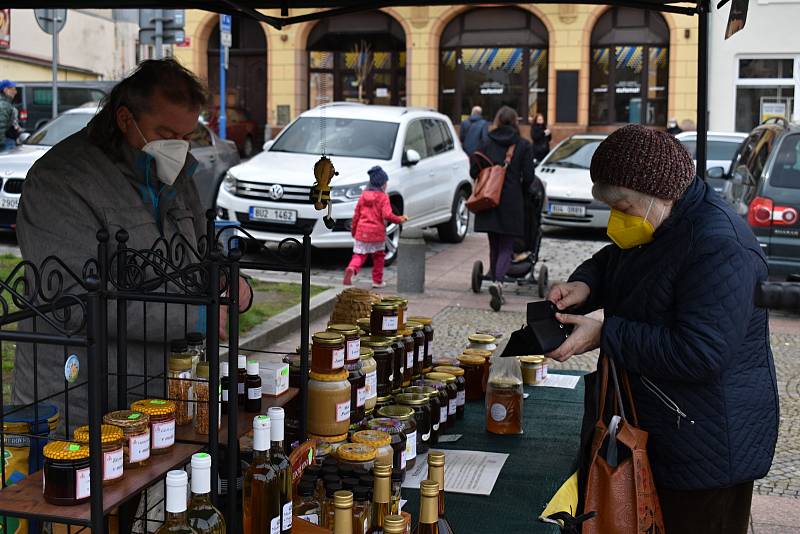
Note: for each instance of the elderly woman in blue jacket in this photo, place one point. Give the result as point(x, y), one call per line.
point(676, 289)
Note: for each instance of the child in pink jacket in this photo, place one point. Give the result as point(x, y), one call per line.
point(369, 228)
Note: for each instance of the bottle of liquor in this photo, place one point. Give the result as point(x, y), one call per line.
point(281, 465)
point(428, 508)
point(394, 524)
point(262, 501)
point(203, 517)
point(343, 515)
point(382, 494)
point(436, 473)
point(176, 521)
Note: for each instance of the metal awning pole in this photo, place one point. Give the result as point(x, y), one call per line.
point(702, 87)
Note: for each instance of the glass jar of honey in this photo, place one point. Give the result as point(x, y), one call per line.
point(408, 363)
point(420, 403)
point(113, 457)
point(370, 369)
point(328, 403)
point(487, 357)
point(383, 354)
point(384, 319)
point(419, 347)
point(66, 473)
point(534, 369)
point(327, 352)
point(357, 455)
point(136, 436)
point(427, 329)
point(482, 342)
point(162, 423)
point(461, 386)
point(402, 309)
point(444, 400)
point(352, 340)
point(358, 392)
point(380, 402)
point(399, 439)
point(473, 375)
point(504, 406)
point(404, 415)
point(380, 440)
point(452, 394)
point(399, 362)
point(435, 406)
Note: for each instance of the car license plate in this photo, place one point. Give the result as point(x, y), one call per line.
point(9, 203)
point(273, 215)
point(567, 210)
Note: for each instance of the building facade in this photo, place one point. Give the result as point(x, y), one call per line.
point(755, 74)
point(585, 68)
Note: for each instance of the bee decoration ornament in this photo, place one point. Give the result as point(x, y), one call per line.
point(321, 190)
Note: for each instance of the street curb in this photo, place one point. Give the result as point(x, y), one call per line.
point(287, 321)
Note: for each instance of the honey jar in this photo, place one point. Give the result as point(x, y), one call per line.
point(352, 340)
point(461, 386)
point(427, 329)
point(136, 436)
point(419, 347)
point(380, 440)
point(534, 369)
point(66, 473)
point(327, 352)
point(384, 319)
point(113, 457)
point(357, 455)
point(402, 309)
point(328, 403)
point(162, 423)
point(473, 375)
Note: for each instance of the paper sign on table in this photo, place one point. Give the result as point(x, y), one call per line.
point(471, 472)
point(555, 380)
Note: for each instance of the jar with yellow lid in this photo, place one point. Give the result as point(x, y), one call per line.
point(404, 415)
point(399, 362)
point(444, 400)
point(328, 403)
point(461, 384)
point(419, 347)
point(380, 402)
point(473, 375)
point(420, 403)
point(408, 350)
point(449, 381)
point(435, 405)
point(363, 325)
point(370, 369)
point(487, 356)
point(534, 369)
point(384, 319)
point(179, 387)
point(327, 352)
point(66, 473)
point(380, 440)
point(327, 445)
point(383, 354)
point(504, 406)
point(352, 340)
point(136, 436)
point(482, 342)
point(162, 423)
point(113, 457)
point(357, 455)
point(427, 329)
point(402, 309)
point(398, 443)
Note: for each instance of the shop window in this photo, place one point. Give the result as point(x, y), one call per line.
point(629, 71)
point(493, 57)
point(765, 89)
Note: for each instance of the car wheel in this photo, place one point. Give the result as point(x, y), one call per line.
point(455, 230)
point(392, 242)
point(248, 147)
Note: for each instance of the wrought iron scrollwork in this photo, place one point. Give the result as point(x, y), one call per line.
point(287, 253)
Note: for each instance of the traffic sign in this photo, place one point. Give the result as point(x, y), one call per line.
point(225, 22)
point(148, 37)
point(172, 19)
point(51, 21)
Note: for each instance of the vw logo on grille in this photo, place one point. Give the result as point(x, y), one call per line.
point(275, 192)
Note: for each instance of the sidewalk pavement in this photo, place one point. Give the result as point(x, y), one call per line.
point(458, 311)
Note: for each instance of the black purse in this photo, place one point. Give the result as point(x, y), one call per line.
point(543, 333)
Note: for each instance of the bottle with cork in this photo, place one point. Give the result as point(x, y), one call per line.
point(343, 512)
point(436, 473)
point(381, 495)
point(428, 508)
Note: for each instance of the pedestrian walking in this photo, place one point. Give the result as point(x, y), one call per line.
point(677, 292)
point(506, 222)
point(474, 131)
point(9, 125)
point(372, 212)
point(540, 134)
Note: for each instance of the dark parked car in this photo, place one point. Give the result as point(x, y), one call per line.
point(247, 135)
point(34, 100)
point(764, 186)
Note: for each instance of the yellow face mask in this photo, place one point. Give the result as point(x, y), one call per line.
point(628, 231)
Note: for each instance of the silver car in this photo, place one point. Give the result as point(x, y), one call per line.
point(214, 155)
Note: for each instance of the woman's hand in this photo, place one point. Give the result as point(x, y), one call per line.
point(585, 337)
point(403, 218)
point(569, 294)
point(245, 301)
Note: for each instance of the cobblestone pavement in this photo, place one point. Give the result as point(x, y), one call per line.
point(454, 324)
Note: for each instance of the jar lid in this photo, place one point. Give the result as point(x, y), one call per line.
point(127, 419)
point(366, 353)
point(395, 299)
point(449, 369)
point(364, 321)
point(65, 450)
point(405, 332)
point(344, 329)
point(482, 338)
point(387, 398)
point(327, 338)
point(483, 353)
point(411, 399)
point(386, 305)
point(356, 452)
point(331, 440)
point(531, 359)
point(414, 325)
point(470, 359)
point(153, 407)
point(428, 391)
point(385, 424)
point(180, 363)
point(376, 438)
point(203, 369)
point(108, 434)
point(396, 412)
point(441, 377)
point(425, 321)
point(337, 376)
point(375, 342)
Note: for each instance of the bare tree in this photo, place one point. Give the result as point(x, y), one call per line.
point(363, 66)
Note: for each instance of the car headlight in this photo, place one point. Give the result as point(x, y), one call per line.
point(229, 183)
point(349, 192)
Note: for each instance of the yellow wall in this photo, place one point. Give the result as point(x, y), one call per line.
point(569, 28)
point(28, 72)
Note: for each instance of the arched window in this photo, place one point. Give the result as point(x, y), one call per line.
point(491, 57)
point(629, 68)
point(357, 58)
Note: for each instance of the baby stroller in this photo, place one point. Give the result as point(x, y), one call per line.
point(526, 250)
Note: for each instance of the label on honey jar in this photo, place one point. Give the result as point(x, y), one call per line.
point(82, 485)
point(275, 525)
point(372, 384)
point(343, 411)
point(410, 359)
point(420, 353)
point(287, 516)
point(411, 445)
point(338, 359)
point(112, 464)
point(461, 398)
point(452, 407)
point(163, 434)
point(389, 323)
point(353, 350)
point(498, 412)
point(139, 447)
point(443, 414)
point(361, 397)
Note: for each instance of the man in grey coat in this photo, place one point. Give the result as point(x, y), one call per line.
point(129, 169)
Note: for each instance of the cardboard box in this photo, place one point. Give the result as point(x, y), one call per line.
point(274, 378)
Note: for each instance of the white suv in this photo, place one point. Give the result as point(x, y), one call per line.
point(419, 149)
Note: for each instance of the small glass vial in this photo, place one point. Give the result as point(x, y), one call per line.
point(253, 385)
point(241, 378)
point(225, 384)
point(307, 505)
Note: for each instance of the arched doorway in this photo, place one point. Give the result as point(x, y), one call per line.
point(246, 80)
point(357, 58)
point(629, 74)
point(493, 57)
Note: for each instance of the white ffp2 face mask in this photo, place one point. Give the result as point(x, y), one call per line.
point(170, 156)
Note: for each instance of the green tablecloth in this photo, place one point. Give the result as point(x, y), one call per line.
point(539, 461)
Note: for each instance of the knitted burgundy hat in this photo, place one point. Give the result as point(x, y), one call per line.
point(643, 159)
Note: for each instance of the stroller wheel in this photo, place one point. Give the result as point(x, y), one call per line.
point(477, 276)
point(543, 281)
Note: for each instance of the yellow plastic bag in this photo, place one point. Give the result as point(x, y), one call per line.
point(563, 506)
